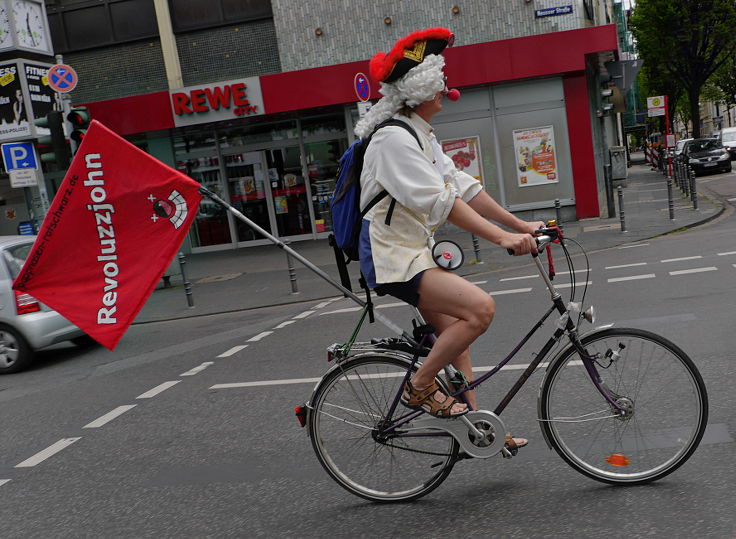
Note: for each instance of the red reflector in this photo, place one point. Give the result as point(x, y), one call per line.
point(618, 460)
point(301, 414)
point(25, 303)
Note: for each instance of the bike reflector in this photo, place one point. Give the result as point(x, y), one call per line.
point(617, 460)
point(301, 414)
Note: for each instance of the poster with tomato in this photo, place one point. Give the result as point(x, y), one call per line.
point(534, 153)
point(465, 153)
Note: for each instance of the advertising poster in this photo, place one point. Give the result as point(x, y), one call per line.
point(534, 151)
point(43, 98)
point(465, 153)
point(13, 108)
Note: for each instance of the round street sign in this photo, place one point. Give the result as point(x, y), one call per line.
point(62, 78)
point(362, 87)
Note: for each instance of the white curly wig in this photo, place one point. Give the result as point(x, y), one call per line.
point(420, 84)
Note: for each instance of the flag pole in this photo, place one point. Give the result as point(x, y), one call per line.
point(280, 244)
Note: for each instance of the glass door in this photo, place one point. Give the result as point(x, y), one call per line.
point(291, 207)
point(322, 164)
point(247, 188)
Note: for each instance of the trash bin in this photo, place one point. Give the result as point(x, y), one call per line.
point(619, 170)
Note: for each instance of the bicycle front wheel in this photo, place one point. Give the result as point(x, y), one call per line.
point(348, 415)
point(661, 390)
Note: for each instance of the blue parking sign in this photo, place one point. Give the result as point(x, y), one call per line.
point(19, 156)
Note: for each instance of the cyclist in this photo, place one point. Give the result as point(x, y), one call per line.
point(425, 190)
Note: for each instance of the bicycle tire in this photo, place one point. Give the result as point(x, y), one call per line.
point(346, 407)
point(660, 384)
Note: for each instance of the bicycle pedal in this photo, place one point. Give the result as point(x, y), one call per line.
point(505, 453)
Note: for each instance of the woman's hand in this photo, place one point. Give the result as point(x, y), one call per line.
point(520, 244)
point(530, 227)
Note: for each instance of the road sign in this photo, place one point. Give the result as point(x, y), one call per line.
point(23, 178)
point(62, 78)
point(19, 156)
point(362, 86)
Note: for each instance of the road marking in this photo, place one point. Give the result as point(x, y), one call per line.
point(200, 368)
point(514, 291)
point(50, 451)
point(304, 314)
point(632, 246)
point(681, 259)
point(727, 253)
point(233, 350)
point(517, 278)
point(3, 481)
point(569, 285)
point(260, 336)
point(109, 416)
point(478, 282)
point(284, 324)
point(158, 389)
point(626, 265)
point(390, 305)
point(322, 305)
point(345, 310)
point(694, 270)
point(632, 278)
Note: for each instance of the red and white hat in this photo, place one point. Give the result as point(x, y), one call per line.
point(409, 52)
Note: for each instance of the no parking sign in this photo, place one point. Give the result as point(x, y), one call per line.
point(62, 78)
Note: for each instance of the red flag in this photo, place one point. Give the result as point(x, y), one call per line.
point(112, 229)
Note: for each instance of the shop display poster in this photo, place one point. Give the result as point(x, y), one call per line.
point(534, 151)
point(465, 153)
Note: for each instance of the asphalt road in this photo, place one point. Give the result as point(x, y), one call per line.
point(142, 443)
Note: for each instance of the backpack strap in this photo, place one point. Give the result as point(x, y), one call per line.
point(368, 300)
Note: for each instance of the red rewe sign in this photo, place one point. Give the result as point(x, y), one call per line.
point(216, 102)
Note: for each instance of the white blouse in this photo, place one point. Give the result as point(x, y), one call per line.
point(424, 184)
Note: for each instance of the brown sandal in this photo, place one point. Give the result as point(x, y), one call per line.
point(423, 399)
point(513, 444)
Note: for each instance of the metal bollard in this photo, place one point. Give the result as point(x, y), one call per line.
point(187, 284)
point(670, 203)
point(693, 190)
point(476, 248)
point(621, 208)
point(686, 181)
point(292, 272)
point(558, 213)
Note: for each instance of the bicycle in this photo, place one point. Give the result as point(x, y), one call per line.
point(619, 405)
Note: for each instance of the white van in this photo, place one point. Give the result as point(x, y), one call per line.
point(728, 138)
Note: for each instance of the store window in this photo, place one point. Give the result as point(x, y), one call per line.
point(322, 163)
point(246, 185)
point(288, 190)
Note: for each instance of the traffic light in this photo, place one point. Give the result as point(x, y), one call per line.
point(79, 118)
point(52, 148)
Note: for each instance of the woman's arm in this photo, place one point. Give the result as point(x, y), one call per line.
point(489, 208)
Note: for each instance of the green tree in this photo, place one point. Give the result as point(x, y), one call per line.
point(685, 41)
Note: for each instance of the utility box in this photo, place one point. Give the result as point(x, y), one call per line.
point(619, 170)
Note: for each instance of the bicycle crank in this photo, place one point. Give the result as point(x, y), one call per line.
point(490, 427)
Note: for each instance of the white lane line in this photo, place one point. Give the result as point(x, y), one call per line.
point(569, 285)
point(693, 270)
point(158, 389)
point(478, 282)
point(632, 246)
point(304, 314)
point(284, 324)
point(109, 416)
point(681, 259)
point(727, 253)
point(390, 305)
point(3, 481)
point(50, 451)
point(632, 278)
point(345, 310)
point(517, 278)
point(233, 350)
point(322, 305)
point(514, 291)
point(197, 369)
point(260, 336)
point(626, 265)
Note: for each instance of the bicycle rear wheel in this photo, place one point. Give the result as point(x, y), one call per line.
point(348, 409)
point(658, 384)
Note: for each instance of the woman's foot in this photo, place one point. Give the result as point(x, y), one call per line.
point(433, 401)
point(513, 444)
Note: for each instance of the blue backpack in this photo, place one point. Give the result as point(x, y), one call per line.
point(345, 204)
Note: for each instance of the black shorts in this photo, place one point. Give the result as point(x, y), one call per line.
point(407, 291)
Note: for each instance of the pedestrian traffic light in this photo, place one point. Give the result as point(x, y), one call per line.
point(52, 148)
point(79, 118)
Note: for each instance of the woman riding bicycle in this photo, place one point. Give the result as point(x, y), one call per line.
point(426, 190)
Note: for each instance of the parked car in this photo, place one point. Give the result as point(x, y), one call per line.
point(728, 139)
point(706, 155)
point(680, 145)
point(26, 325)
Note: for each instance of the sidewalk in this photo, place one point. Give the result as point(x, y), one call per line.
point(241, 279)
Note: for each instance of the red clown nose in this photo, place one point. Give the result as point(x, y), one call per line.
point(453, 95)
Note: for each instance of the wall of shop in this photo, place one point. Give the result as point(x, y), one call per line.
point(347, 38)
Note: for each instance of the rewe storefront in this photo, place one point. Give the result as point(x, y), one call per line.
point(524, 127)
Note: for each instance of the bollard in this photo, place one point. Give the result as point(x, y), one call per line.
point(476, 248)
point(558, 213)
point(621, 208)
point(670, 203)
point(686, 182)
point(292, 272)
point(693, 190)
point(609, 190)
point(187, 284)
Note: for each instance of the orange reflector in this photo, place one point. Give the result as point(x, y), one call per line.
point(617, 460)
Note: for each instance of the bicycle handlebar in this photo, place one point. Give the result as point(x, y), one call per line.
point(543, 237)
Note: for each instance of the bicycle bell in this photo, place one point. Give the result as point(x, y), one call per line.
point(448, 254)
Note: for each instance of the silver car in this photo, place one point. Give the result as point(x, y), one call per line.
point(26, 325)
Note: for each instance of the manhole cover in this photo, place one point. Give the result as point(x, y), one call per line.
point(218, 278)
